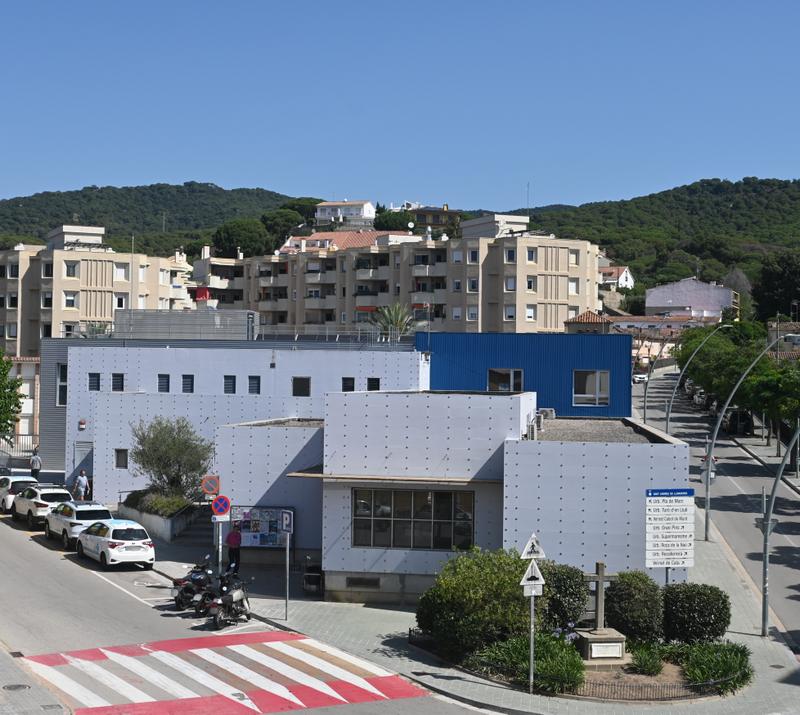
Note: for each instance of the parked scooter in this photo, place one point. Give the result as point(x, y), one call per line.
point(231, 602)
point(189, 589)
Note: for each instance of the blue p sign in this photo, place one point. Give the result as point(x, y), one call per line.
point(287, 521)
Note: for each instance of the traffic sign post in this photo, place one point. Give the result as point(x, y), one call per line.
point(287, 527)
point(669, 529)
point(220, 508)
point(532, 584)
point(210, 485)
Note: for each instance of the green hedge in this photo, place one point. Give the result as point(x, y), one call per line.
point(634, 606)
point(165, 505)
point(725, 662)
point(695, 612)
point(565, 595)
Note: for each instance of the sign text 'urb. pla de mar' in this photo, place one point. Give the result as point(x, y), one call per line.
point(669, 528)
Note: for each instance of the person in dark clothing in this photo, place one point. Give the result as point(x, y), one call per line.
point(234, 543)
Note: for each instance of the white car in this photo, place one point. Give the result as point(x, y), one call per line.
point(10, 487)
point(117, 541)
point(639, 377)
point(69, 519)
point(35, 502)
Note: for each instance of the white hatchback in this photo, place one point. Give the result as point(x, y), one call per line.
point(69, 519)
point(117, 541)
point(35, 502)
point(10, 487)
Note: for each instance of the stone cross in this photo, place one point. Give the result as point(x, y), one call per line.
point(599, 578)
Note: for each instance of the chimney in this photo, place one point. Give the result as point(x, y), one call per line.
point(239, 253)
point(205, 252)
point(302, 245)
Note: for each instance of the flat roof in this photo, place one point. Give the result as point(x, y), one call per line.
point(596, 430)
point(282, 422)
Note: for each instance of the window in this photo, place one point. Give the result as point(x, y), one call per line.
point(574, 256)
point(142, 274)
point(472, 285)
point(163, 276)
point(504, 380)
point(12, 330)
point(71, 269)
point(344, 318)
point(2, 300)
point(47, 330)
point(13, 270)
point(163, 382)
point(254, 385)
point(511, 255)
point(510, 284)
point(458, 256)
point(397, 289)
point(12, 300)
point(533, 255)
point(406, 519)
point(301, 387)
point(117, 381)
point(121, 271)
point(574, 286)
point(510, 312)
point(69, 330)
point(472, 312)
point(47, 299)
point(373, 384)
point(94, 382)
point(456, 313)
point(590, 387)
point(121, 458)
point(2, 271)
point(120, 301)
point(2, 330)
point(61, 384)
point(47, 270)
point(472, 255)
point(572, 311)
point(530, 312)
point(142, 302)
point(70, 299)
point(456, 285)
point(348, 384)
point(229, 384)
point(187, 383)
point(532, 284)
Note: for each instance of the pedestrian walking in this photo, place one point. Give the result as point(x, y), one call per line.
point(81, 485)
point(36, 463)
point(234, 543)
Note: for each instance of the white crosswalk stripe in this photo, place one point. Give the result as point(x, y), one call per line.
point(151, 675)
point(107, 678)
point(67, 685)
point(286, 670)
point(355, 660)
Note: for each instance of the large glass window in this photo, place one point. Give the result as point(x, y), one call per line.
point(590, 387)
point(61, 384)
point(418, 519)
point(504, 380)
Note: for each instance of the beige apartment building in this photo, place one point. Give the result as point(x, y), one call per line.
point(74, 283)
point(498, 277)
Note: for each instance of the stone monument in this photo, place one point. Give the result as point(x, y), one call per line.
point(600, 644)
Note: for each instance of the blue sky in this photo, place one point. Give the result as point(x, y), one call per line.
point(457, 101)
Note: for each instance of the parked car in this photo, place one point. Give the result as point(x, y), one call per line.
point(699, 398)
point(117, 541)
point(639, 377)
point(688, 386)
point(35, 502)
point(10, 487)
point(69, 519)
point(738, 422)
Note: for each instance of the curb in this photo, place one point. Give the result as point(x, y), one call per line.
point(766, 465)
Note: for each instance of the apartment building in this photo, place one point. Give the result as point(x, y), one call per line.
point(352, 213)
point(497, 278)
point(74, 283)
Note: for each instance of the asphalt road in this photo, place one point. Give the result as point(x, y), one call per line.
point(54, 603)
point(736, 499)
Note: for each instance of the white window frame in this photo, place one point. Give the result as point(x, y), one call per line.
point(477, 287)
point(457, 255)
point(509, 308)
point(574, 256)
point(456, 313)
point(117, 298)
point(510, 284)
point(530, 312)
point(472, 317)
point(61, 381)
point(75, 266)
point(573, 283)
point(596, 398)
point(477, 256)
point(125, 269)
point(73, 296)
point(510, 255)
point(532, 254)
point(572, 311)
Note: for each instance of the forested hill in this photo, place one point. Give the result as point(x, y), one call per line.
point(665, 236)
point(134, 209)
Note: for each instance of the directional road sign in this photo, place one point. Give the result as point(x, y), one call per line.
point(221, 505)
point(669, 528)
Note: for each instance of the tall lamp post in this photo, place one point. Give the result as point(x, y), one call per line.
point(713, 441)
point(649, 375)
point(691, 357)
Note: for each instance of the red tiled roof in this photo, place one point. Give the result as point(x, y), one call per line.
point(659, 319)
point(589, 316)
point(339, 240)
point(613, 271)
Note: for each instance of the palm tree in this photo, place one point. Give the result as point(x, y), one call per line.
point(394, 320)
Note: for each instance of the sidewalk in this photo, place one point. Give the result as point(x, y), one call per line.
point(34, 698)
point(757, 448)
point(379, 634)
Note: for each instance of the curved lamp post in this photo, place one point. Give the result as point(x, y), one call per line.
point(766, 528)
point(691, 357)
point(649, 375)
point(713, 441)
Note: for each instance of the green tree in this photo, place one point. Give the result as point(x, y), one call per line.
point(280, 222)
point(246, 234)
point(306, 206)
point(778, 285)
point(393, 221)
point(395, 319)
point(10, 398)
point(171, 455)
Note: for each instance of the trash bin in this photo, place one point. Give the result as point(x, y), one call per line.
point(313, 580)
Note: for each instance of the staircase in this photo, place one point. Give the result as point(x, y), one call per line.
point(200, 532)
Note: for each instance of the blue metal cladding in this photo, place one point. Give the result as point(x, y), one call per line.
point(461, 361)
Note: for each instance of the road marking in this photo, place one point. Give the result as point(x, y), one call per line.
point(135, 665)
point(109, 679)
point(243, 672)
point(124, 590)
point(355, 660)
point(325, 667)
point(205, 679)
point(286, 670)
point(228, 631)
point(67, 685)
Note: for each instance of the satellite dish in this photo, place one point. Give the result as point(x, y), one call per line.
point(277, 252)
point(411, 224)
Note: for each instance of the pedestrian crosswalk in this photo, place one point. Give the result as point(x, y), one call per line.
point(263, 672)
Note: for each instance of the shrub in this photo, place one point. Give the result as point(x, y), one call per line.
point(646, 658)
point(695, 612)
point(134, 498)
point(634, 606)
point(726, 662)
point(565, 595)
point(475, 601)
point(162, 504)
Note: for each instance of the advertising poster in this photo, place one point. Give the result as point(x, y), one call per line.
point(260, 525)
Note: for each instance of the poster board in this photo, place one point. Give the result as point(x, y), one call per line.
point(260, 525)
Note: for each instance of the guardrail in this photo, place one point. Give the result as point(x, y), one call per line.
point(20, 445)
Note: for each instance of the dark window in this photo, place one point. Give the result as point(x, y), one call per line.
point(406, 519)
point(348, 384)
point(61, 385)
point(47, 330)
point(89, 514)
point(254, 384)
point(187, 383)
point(2, 271)
point(163, 383)
point(121, 458)
point(129, 534)
point(94, 382)
point(590, 387)
point(47, 270)
point(504, 380)
point(117, 382)
point(13, 270)
point(301, 386)
point(373, 383)
point(229, 384)
point(12, 300)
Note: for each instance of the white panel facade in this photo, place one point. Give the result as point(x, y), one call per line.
point(252, 462)
point(455, 435)
point(586, 500)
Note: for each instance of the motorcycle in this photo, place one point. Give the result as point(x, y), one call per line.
point(231, 602)
point(189, 589)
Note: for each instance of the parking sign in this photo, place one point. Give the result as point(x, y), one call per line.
point(287, 521)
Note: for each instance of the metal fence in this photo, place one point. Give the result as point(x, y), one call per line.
point(20, 445)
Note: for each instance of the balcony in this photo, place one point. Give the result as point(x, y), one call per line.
point(422, 297)
point(366, 300)
point(320, 277)
point(274, 304)
point(440, 295)
point(323, 303)
point(367, 274)
point(219, 282)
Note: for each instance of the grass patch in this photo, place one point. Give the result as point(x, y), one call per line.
point(726, 662)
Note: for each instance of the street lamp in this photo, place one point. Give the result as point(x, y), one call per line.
point(691, 357)
point(713, 441)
